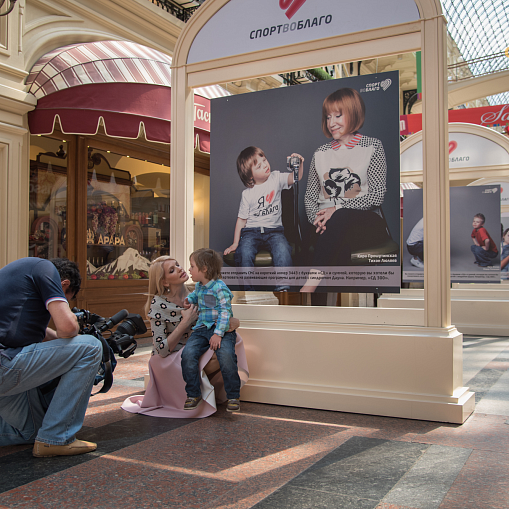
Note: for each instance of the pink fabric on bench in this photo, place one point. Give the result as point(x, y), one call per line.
point(165, 394)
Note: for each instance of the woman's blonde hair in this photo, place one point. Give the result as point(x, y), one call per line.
point(350, 104)
point(155, 280)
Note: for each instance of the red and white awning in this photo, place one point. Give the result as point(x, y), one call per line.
point(122, 84)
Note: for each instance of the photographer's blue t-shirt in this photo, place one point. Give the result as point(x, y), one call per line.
point(27, 286)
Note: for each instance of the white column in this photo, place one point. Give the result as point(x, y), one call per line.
point(436, 174)
point(182, 169)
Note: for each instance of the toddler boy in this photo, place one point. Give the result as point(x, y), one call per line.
point(213, 299)
point(259, 224)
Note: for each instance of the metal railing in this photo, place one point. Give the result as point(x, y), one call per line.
point(476, 67)
point(182, 13)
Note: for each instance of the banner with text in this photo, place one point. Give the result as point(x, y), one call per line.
point(338, 228)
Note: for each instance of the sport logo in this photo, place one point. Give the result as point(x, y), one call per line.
point(386, 84)
point(292, 5)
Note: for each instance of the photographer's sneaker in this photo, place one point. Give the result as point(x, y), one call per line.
point(233, 405)
point(417, 263)
point(192, 403)
point(43, 450)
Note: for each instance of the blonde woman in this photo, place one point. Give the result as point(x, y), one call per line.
point(171, 325)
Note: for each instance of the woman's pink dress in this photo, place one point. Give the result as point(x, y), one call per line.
point(165, 394)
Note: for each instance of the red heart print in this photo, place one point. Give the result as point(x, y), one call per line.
point(453, 145)
point(270, 196)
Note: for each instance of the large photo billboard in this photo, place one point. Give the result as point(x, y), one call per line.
point(305, 186)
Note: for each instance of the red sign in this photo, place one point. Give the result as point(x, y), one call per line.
point(292, 5)
point(487, 116)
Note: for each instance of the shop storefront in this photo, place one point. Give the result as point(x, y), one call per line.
point(99, 166)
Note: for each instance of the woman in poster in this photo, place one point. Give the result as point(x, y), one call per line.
point(171, 325)
point(346, 186)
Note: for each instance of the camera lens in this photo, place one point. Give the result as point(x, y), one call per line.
point(132, 325)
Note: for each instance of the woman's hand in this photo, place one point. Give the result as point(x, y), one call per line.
point(189, 315)
point(234, 324)
point(322, 217)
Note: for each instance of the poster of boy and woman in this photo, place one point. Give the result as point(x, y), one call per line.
point(479, 240)
point(305, 186)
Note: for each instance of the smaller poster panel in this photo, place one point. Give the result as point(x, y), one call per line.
point(476, 234)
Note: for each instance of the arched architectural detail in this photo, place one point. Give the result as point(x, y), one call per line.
point(48, 40)
point(442, 376)
point(427, 34)
point(457, 171)
point(459, 127)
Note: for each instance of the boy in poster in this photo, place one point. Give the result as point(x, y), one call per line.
point(484, 249)
point(259, 224)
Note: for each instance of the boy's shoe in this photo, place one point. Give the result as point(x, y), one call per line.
point(233, 405)
point(43, 450)
point(192, 403)
point(417, 263)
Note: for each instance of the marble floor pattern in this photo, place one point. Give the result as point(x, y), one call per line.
point(274, 457)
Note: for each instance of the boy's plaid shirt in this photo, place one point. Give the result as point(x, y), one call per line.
point(214, 302)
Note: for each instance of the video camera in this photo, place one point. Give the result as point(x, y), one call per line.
point(120, 342)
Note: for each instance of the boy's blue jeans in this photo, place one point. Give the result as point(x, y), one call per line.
point(482, 257)
point(273, 240)
point(196, 346)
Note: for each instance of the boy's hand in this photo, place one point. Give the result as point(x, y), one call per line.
point(299, 156)
point(291, 176)
point(233, 247)
point(187, 305)
point(215, 342)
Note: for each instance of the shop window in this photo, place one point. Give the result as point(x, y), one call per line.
point(48, 197)
point(127, 215)
point(127, 222)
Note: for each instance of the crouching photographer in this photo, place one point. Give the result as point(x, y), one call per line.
point(46, 375)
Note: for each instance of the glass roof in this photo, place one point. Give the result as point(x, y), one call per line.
point(480, 28)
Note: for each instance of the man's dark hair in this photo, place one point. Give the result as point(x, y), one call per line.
point(68, 270)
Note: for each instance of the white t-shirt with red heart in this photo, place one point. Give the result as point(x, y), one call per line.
point(261, 204)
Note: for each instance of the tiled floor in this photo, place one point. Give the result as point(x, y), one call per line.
point(272, 457)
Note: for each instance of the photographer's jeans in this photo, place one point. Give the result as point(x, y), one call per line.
point(196, 346)
point(30, 408)
point(273, 240)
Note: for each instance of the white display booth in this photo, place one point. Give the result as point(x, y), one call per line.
point(479, 155)
point(363, 360)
